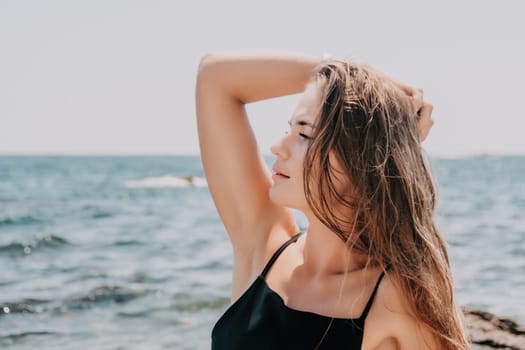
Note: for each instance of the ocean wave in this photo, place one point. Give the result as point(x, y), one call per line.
point(24, 306)
point(47, 241)
point(194, 305)
point(136, 314)
point(21, 220)
point(101, 215)
point(10, 339)
point(131, 242)
point(105, 294)
point(167, 182)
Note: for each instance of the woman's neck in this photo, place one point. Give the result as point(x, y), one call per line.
point(325, 254)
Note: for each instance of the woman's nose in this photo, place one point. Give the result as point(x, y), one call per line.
point(279, 149)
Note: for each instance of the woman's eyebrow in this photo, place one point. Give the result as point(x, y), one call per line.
point(301, 123)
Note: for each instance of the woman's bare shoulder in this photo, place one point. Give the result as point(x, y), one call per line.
point(391, 323)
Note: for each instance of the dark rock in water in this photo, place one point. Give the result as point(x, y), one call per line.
point(188, 178)
point(487, 331)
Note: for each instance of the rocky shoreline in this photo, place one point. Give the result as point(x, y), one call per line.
point(487, 331)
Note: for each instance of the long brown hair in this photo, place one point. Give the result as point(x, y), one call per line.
point(369, 125)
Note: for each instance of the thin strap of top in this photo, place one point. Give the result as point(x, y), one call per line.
point(278, 252)
point(371, 299)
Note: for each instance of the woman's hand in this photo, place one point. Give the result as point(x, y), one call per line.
point(423, 108)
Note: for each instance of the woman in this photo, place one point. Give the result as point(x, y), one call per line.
point(372, 271)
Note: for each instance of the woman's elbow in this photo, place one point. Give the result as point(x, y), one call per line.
point(207, 63)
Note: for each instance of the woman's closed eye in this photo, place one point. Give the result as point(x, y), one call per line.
point(301, 135)
point(299, 126)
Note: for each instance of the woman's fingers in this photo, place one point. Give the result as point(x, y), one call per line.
point(417, 99)
point(423, 108)
point(424, 120)
point(415, 94)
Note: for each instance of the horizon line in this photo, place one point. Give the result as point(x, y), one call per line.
point(192, 154)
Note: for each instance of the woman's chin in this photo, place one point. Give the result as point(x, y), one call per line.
point(283, 200)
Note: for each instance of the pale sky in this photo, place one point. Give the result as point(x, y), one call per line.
point(118, 77)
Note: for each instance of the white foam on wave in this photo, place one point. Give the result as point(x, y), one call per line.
point(167, 182)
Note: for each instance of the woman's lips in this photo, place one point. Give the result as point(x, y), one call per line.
point(281, 175)
point(278, 173)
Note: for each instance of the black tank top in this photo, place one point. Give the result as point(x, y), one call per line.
point(259, 319)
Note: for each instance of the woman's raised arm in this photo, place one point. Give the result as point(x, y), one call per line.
point(235, 170)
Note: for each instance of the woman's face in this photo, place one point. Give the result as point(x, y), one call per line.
point(287, 171)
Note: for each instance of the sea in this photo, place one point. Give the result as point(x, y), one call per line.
point(128, 252)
